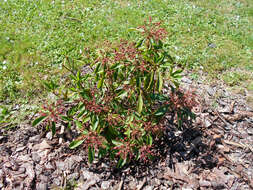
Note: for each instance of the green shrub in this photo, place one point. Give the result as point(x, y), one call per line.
point(119, 106)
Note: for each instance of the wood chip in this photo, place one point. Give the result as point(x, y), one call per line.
point(139, 187)
point(238, 144)
point(120, 184)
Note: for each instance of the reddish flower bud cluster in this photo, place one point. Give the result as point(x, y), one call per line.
point(126, 51)
point(154, 129)
point(93, 139)
point(125, 150)
point(145, 152)
point(183, 99)
point(114, 120)
point(154, 30)
point(53, 110)
point(92, 106)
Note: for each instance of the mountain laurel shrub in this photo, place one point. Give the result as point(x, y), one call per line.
point(119, 107)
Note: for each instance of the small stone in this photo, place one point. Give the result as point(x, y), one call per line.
point(225, 149)
point(103, 165)
point(49, 166)
point(43, 178)
point(90, 182)
point(186, 80)
point(29, 170)
point(105, 185)
point(7, 164)
point(210, 91)
point(148, 187)
point(157, 182)
point(36, 157)
point(212, 45)
point(20, 148)
point(71, 162)
point(42, 146)
point(187, 188)
point(207, 123)
point(35, 138)
point(57, 181)
point(217, 185)
point(60, 165)
point(49, 135)
point(250, 131)
point(38, 169)
point(87, 175)
point(73, 176)
point(132, 185)
point(204, 183)
point(163, 188)
point(41, 186)
point(22, 169)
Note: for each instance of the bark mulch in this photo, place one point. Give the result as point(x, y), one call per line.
point(216, 152)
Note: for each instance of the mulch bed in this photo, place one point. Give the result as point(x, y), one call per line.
point(215, 153)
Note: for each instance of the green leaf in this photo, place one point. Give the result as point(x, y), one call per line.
point(140, 103)
point(116, 66)
point(117, 143)
point(95, 124)
point(91, 154)
point(138, 82)
point(151, 80)
point(100, 82)
point(160, 81)
point(139, 43)
point(122, 94)
point(97, 67)
point(150, 140)
point(166, 65)
point(128, 132)
point(86, 119)
point(38, 120)
point(78, 75)
point(65, 118)
point(121, 163)
point(75, 143)
point(53, 128)
point(147, 80)
point(86, 94)
point(159, 97)
point(177, 72)
point(85, 132)
point(78, 124)
point(161, 111)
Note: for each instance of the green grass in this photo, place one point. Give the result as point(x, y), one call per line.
point(36, 37)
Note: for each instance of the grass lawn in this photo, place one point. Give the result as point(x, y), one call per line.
point(36, 36)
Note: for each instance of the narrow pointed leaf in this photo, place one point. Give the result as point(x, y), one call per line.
point(38, 120)
point(140, 103)
point(75, 144)
point(121, 163)
point(151, 80)
point(78, 124)
point(160, 80)
point(53, 128)
point(91, 154)
point(100, 82)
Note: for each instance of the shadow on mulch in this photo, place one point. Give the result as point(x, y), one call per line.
point(176, 146)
